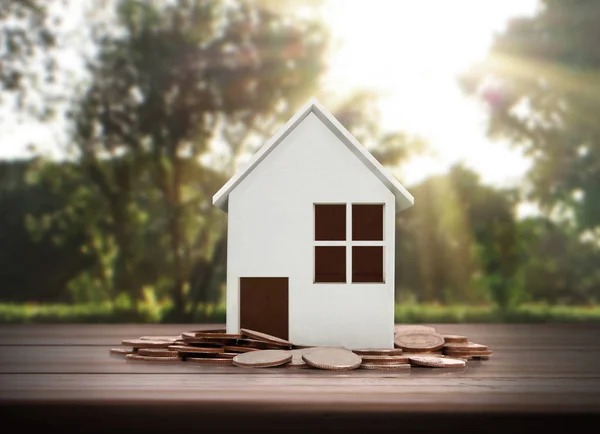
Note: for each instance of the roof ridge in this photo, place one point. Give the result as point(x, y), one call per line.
point(403, 198)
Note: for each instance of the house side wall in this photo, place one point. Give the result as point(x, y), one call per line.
point(271, 234)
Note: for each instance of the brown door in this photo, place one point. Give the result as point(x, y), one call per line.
point(264, 305)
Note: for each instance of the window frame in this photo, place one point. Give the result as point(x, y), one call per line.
point(349, 243)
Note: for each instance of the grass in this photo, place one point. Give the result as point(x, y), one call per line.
point(11, 313)
point(527, 313)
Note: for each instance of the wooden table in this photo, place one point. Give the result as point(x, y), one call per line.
point(541, 376)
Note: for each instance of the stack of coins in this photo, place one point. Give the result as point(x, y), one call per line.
point(415, 345)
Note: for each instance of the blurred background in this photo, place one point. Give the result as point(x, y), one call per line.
point(119, 119)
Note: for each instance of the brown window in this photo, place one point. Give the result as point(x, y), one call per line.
point(367, 222)
point(330, 264)
point(330, 222)
point(367, 264)
point(331, 243)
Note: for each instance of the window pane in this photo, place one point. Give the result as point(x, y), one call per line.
point(367, 264)
point(330, 222)
point(367, 222)
point(330, 264)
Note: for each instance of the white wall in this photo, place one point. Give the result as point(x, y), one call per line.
point(310, 166)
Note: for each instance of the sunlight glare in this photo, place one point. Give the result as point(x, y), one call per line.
point(411, 52)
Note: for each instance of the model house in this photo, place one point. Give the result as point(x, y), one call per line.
point(310, 254)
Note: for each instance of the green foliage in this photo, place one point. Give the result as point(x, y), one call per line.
point(526, 313)
point(541, 82)
point(36, 259)
point(28, 32)
point(406, 313)
point(180, 92)
point(459, 243)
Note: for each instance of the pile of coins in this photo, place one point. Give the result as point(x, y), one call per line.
point(415, 345)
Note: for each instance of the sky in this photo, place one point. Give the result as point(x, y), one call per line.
point(410, 52)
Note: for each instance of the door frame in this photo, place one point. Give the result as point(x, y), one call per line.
point(287, 306)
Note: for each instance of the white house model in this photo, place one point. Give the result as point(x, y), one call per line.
point(310, 253)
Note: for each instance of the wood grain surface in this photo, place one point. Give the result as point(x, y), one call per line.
point(539, 374)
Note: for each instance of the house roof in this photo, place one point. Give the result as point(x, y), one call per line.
point(403, 198)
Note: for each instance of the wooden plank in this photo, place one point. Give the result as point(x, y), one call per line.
point(531, 336)
point(399, 393)
point(97, 360)
point(541, 368)
point(88, 334)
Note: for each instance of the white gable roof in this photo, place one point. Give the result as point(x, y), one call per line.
point(403, 198)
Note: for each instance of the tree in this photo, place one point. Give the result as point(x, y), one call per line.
point(541, 81)
point(556, 265)
point(179, 94)
point(35, 266)
point(28, 39)
point(173, 79)
point(460, 243)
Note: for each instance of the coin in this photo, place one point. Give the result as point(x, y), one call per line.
point(262, 345)
point(437, 362)
point(412, 328)
point(455, 338)
point(160, 338)
point(296, 361)
point(262, 358)
point(186, 349)
point(217, 335)
point(423, 354)
point(141, 343)
point(386, 366)
point(337, 359)
point(260, 336)
point(239, 349)
point(478, 354)
point(210, 360)
point(419, 341)
point(465, 346)
point(366, 358)
point(191, 338)
point(226, 355)
point(139, 358)
point(122, 350)
point(378, 351)
point(157, 352)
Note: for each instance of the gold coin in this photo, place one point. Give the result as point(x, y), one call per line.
point(419, 341)
point(262, 358)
